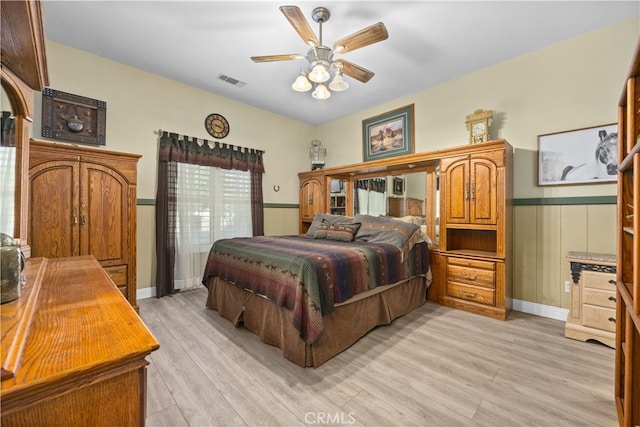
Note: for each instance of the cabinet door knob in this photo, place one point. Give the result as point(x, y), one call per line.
point(612, 299)
point(612, 319)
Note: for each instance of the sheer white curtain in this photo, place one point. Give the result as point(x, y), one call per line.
point(371, 202)
point(212, 203)
point(7, 188)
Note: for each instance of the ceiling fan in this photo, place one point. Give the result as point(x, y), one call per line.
point(320, 57)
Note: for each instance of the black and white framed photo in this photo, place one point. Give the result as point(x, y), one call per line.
point(580, 156)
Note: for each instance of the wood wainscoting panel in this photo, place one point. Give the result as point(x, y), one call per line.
point(543, 234)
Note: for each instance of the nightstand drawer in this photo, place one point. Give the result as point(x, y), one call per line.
point(472, 263)
point(599, 297)
point(599, 318)
point(471, 293)
point(595, 279)
point(471, 276)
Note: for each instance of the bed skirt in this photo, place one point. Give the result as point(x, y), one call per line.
point(349, 321)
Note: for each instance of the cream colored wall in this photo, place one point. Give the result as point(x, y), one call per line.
point(140, 103)
point(570, 85)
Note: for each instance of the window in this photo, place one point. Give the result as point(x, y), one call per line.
point(212, 204)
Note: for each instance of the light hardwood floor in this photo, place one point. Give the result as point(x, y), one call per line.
point(436, 366)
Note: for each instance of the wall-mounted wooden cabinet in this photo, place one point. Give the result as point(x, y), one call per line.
point(83, 202)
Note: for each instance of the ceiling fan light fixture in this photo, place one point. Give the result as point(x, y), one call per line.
point(319, 73)
point(338, 84)
point(321, 92)
point(301, 84)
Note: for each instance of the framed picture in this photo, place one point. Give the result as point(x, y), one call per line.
point(388, 135)
point(581, 156)
point(398, 186)
point(75, 118)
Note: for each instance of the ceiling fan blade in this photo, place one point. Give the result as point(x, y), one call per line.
point(300, 24)
point(355, 71)
point(272, 58)
point(365, 37)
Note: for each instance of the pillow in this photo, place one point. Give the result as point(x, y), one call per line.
point(340, 232)
point(330, 218)
point(384, 230)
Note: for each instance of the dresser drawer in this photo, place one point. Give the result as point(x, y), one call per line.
point(597, 280)
point(471, 293)
point(599, 317)
point(118, 274)
point(471, 276)
point(599, 297)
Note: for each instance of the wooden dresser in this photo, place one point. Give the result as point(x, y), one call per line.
point(73, 349)
point(592, 310)
point(83, 202)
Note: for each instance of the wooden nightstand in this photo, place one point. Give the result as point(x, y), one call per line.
point(592, 310)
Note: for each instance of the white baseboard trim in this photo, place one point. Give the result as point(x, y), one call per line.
point(145, 293)
point(549, 311)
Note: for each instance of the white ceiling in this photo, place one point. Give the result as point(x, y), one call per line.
point(429, 42)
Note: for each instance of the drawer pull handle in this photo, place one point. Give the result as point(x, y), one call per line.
point(612, 299)
point(469, 276)
point(612, 319)
point(612, 281)
point(469, 294)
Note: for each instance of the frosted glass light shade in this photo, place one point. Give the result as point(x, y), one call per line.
point(319, 74)
point(321, 92)
point(302, 84)
point(338, 84)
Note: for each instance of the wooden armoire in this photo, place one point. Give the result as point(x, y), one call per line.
point(83, 202)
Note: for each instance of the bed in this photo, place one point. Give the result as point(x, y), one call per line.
point(313, 295)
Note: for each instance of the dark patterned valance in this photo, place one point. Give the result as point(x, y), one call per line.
point(185, 149)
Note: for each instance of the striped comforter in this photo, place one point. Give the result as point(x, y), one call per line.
point(309, 276)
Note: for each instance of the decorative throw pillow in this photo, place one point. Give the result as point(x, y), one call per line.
point(343, 232)
point(330, 218)
point(384, 230)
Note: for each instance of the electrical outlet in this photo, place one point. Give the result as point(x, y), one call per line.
point(567, 286)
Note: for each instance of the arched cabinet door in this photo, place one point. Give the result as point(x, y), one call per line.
point(54, 209)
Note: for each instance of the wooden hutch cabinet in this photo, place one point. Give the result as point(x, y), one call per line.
point(476, 230)
point(627, 385)
point(472, 230)
point(83, 202)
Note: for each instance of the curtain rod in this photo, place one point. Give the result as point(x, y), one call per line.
point(159, 132)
